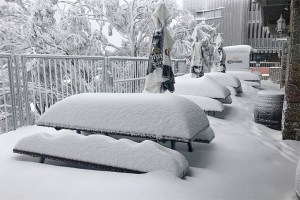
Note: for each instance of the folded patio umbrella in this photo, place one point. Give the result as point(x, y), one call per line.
point(197, 56)
point(160, 76)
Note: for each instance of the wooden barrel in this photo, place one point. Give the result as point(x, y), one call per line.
point(268, 108)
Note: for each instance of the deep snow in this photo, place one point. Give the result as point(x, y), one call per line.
point(245, 161)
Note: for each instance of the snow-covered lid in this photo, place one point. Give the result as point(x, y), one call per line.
point(204, 86)
point(142, 114)
point(103, 150)
point(238, 49)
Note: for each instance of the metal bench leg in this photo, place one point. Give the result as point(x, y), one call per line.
point(190, 146)
point(41, 160)
point(173, 145)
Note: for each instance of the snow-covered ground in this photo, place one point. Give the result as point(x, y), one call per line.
point(245, 161)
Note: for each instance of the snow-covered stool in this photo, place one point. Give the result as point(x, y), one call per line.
point(103, 152)
point(227, 80)
point(204, 87)
point(208, 105)
point(163, 117)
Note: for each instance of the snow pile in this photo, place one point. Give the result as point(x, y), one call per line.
point(233, 91)
point(98, 149)
point(161, 116)
point(248, 77)
point(207, 104)
point(225, 79)
point(204, 86)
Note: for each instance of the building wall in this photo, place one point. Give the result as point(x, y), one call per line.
point(240, 23)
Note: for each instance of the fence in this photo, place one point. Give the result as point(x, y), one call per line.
point(30, 84)
point(267, 70)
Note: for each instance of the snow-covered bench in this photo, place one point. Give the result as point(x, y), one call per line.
point(157, 116)
point(103, 152)
point(204, 86)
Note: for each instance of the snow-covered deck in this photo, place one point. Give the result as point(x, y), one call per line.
point(246, 161)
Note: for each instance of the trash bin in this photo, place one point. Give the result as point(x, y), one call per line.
point(268, 108)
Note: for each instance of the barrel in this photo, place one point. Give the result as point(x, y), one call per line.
point(268, 108)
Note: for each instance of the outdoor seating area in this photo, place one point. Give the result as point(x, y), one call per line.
point(161, 99)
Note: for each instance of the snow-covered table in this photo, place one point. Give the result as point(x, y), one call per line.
point(204, 87)
point(157, 116)
point(227, 80)
point(103, 152)
point(247, 77)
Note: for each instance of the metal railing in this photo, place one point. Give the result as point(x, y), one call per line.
point(267, 70)
point(30, 84)
point(6, 107)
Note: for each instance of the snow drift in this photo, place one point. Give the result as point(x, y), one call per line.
point(102, 150)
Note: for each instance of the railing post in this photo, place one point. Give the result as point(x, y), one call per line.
point(25, 88)
point(12, 91)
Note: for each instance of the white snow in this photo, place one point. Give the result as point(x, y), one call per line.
point(225, 79)
point(204, 86)
point(146, 156)
point(297, 181)
point(143, 114)
point(245, 161)
point(207, 104)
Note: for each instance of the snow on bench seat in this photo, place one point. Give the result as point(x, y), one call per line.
point(247, 77)
point(158, 116)
point(204, 86)
point(226, 80)
point(104, 152)
point(207, 104)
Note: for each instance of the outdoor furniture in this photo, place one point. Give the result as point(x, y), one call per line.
point(208, 105)
point(204, 87)
point(99, 151)
point(247, 77)
point(227, 80)
point(162, 117)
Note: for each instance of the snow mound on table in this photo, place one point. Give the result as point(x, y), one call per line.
point(207, 104)
point(98, 149)
point(225, 79)
point(141, 114)
point(204, 86)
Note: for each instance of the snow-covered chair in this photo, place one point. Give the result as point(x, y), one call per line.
point(227, 80)
point(157, 116)
point(204, 87)
point(103, 152)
